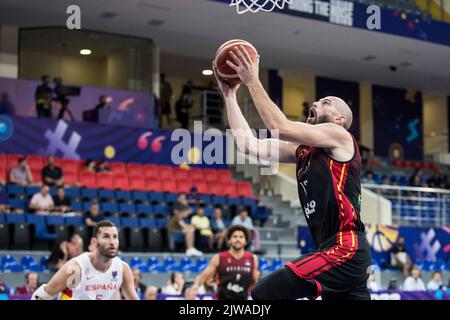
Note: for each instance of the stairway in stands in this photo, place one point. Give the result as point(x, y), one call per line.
point(278, 234)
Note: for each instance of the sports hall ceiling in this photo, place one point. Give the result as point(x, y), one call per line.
point(196, 28)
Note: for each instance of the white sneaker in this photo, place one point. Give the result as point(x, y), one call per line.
point(192, 252)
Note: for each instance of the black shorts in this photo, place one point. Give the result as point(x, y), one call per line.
point(337, 271)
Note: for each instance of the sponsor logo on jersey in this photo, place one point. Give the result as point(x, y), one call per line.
point(114, 276)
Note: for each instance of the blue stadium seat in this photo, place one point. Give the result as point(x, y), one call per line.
point(2, 217)
point(109, 207)
point(106, 194)
point(123, 195)
point(170, 197)
point(139, 196)
point(160, 209)
point(127, 208)
point(130, 222)
point(200, 265)
point(261, 213)
point(72, 192)
point(168, 264)
point(205, 198)
point(276, 264)
point(209, 212)
point(9, 264)
point(74, 221)
point(185, 265)
point(76, 206)
point(156, 196)
point(116, 221)
point(31, 190)
point(147, 223)
point(231, 201)
point(40, 224)
point(18, 203)
point(161, 223)
point(15, 218)
point(263, 264)
point(136, 262)
point(16, 190)
point(54, 220)
point(219, 200)
point(86, 206)
point(43, 261)
point(29, 263)
point(144, 209)
point(87, 193)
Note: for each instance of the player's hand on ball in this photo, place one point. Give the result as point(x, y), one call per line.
point(227, 89)
point(245, 67)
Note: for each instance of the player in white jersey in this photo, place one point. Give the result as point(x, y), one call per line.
point(96, 275)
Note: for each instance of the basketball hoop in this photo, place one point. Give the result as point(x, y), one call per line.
point(243, 6)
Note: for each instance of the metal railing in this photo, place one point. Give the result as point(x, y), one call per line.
point(426, 207)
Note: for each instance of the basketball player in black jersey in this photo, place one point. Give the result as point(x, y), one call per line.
point(236, 269)
point(328, 175)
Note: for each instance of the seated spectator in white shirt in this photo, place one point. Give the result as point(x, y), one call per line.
point(244, 220)
point(435, 282)
point(175, 284)
point(21, 174)
point(42, 202)
point(372, 283)
point(414, 282)
point(400, 258)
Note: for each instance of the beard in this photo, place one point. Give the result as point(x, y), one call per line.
point(106, 252)
point(320, 119)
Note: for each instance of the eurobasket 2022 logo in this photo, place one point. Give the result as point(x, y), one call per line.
point(6, 128)
point(382, 238)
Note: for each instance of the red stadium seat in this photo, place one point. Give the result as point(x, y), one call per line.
point(150, 171)
point(224, 175)
point(215, 189)
point(37, 175)
point(244, 189)
point(153, 185)
point(12, 160)
point(105, 180)
point(70, 166)
point(181, 174)
point(134, 170)
point(432, 166)
point(137, 183)
point(118, 167)
point(88, 179)
point(229, 189)
point(405, 164)
point(121, 182)
point(202, 186)
point(195, 174)
point(210, 175)
point(169, 186)
point(184, 185)
point(3, 174)
point(3, 159)
point(397, 163)
point(70, 178)
point(36, 162)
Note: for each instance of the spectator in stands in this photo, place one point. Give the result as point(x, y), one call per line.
point(182, 107)
point(372, 283)
point(151, 293)
point(102, 166)
point(175, 284)
point(165, 98)
point(6, 106)
point(400, 258)
point(140, 287)
point(365, 153)
point(386, 181)
point(104, 103)
point(193, 197)
point(93, 216)
point(3, 287)
point(414, 282)
point(202, 225)
point(90, 166)
point(51, 174)
point(244, 220)
point(64, 251)
point(43, 98)
point(218, 228)
point(31, 284)
point(416, 179)
point(368, 178)
point(191, 293)
point(42, 202)
point(21, 174)
point(62, 203)
point(436, 281)
point(177, 225)
point(438, 180)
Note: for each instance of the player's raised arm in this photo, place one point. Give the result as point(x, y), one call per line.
point(245, 140)
point(128, 288)
point(210, 271)
point(66, 277)
point(324, 135)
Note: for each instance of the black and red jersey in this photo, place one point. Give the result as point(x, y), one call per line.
point(330, 193)
point(234, 276)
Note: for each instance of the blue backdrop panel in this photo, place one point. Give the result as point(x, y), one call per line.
point(397, 121)
point(78, 140)
point(346, 90)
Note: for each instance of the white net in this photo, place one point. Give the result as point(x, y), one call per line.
point(243, 6)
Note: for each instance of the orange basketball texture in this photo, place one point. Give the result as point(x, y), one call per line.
point(224, 71)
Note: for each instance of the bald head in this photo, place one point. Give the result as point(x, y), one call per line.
point(342, 109)
point(330, 109)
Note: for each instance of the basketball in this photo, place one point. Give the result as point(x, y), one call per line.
point(223, 54)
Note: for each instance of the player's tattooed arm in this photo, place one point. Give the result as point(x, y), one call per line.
point(128, 289)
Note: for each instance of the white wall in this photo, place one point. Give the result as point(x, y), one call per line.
point(9, 40)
